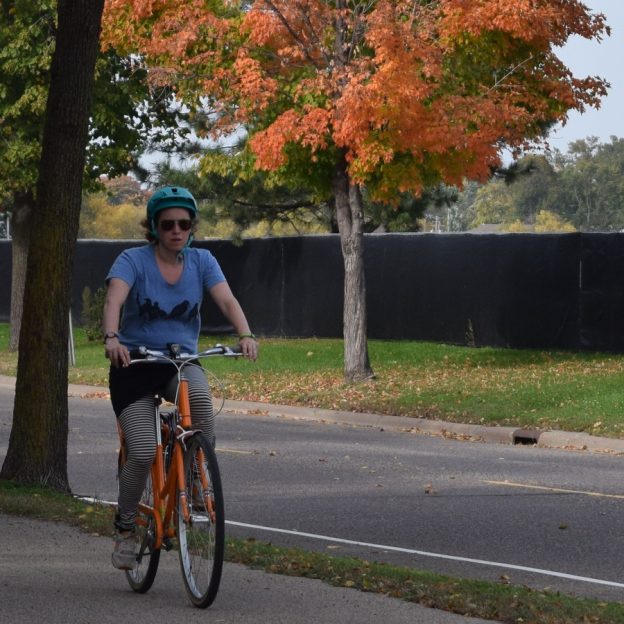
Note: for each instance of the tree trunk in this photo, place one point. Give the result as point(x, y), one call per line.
point(37, 452)
point(20, 229)
point(350, 217)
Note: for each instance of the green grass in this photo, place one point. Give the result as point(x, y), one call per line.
point(524, 388)
point(493, 601)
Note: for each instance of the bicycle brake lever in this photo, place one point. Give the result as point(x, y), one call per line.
point(236, 350)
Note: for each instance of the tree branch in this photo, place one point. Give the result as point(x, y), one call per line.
point(292, 32)
point(513, 70)
point(278, 208)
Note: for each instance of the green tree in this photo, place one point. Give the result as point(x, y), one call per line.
point(100, 218)
point(128, 117)
point(37, 452)
point(494, 203)
point(462, 213)
point(26, 45)
point(547, 221)
point(515, 195)
point(530, 181)
point(409, 211)
point(115, 212)
point(590, 185)
point(226, 194)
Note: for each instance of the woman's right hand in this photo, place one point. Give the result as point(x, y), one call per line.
point(116, 352)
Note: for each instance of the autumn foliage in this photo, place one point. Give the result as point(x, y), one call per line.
point(392, 95)
point(410, 92)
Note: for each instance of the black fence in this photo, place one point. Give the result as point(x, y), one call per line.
point(516, 290)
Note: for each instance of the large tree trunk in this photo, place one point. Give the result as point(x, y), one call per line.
point(350, 217)
point(20, 229)
point(37, 452)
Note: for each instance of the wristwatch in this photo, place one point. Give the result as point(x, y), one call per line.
point(108, 335)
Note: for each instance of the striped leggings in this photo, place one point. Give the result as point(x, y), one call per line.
point(137, 424)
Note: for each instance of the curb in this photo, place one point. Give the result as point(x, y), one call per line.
point(477, 433)
point(514, 436)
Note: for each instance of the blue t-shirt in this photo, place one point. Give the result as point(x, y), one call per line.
point(157, 313)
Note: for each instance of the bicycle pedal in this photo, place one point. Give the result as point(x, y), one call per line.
point(167, 544)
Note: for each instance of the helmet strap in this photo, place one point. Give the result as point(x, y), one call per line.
point(153, 228)
point(183, 250)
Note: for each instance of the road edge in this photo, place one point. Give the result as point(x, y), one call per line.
point(569, 440)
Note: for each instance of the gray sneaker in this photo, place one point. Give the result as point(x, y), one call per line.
point(124, 551)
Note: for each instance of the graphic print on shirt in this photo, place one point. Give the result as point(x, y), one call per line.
point(151, 311)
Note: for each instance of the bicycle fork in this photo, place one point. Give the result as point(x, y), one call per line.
point(199, 474)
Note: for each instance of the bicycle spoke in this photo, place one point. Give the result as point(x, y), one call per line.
point(201, 539)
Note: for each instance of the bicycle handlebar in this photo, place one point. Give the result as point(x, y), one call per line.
point(143, 354)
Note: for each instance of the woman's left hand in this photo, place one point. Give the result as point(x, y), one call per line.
point(249, 347)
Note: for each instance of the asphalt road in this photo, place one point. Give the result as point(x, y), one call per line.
point(534, 516)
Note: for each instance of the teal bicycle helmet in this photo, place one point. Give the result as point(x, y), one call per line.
point(169, 197)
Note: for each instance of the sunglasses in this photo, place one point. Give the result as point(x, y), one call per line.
point(168, 224)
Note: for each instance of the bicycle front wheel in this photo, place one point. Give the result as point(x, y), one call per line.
point(142, 577)
point(201, 537)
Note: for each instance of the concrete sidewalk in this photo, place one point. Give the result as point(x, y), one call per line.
point(53, 573)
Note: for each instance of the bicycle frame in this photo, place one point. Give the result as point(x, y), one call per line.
point(166, 484)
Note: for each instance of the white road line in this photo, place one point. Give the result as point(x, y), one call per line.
point(422, 553)
point(234, 451)
point(408, 551)
point(554, 489)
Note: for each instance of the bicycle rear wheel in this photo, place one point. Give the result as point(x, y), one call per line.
point(201, 539)
point(142, 577)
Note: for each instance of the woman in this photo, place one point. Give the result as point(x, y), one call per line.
point(160, 287)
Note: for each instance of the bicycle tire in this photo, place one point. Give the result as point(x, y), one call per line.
point(201, 540)
point(148, 557)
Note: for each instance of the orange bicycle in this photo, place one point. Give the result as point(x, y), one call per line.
point(183, 497)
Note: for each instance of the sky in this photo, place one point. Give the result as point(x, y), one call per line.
point(604, 59)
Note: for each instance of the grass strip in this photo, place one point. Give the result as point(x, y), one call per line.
point(491, 386)
point(486, 600)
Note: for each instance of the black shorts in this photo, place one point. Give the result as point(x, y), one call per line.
point(130, 383)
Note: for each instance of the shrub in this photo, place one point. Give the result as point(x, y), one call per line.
point(92, 309)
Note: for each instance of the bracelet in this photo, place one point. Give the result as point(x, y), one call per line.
point(110, 334)
point(241, 336)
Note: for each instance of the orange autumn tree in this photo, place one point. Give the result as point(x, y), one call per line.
point(388, 95)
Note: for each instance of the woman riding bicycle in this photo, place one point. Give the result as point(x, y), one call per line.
point(160, 287)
